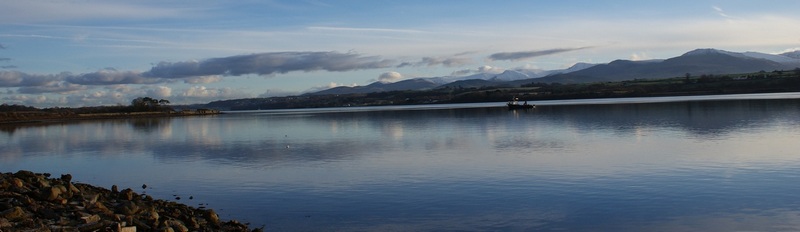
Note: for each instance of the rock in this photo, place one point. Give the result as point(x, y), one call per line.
point(91, 219)
point(212, 217)
point(177, 226)
point(17, 182)
point(13, 214)
point(73, 189)
point(91, 226)
point(127, 194)
point(48, 213)
point(53, 193)
point(66, 178)
point(4, 223)
point(33, 202)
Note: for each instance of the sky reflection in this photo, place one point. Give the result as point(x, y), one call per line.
point(709, 164)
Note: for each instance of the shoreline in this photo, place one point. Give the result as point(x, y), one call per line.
point(34, 201)
point(34, 117)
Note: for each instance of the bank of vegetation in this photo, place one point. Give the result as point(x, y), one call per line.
point(139, 107)
point(687, 85)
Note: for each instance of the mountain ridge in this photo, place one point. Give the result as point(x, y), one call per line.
point(702, 61)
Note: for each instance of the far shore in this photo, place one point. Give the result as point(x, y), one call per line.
point(35, 117)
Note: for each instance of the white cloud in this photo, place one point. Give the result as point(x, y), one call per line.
point(159, 92)
point(482, 69)
point(721, 12)
point(202, 94)
point(203, 79)
point(639, 56)
point(390, 77)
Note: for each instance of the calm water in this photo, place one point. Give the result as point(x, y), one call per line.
point(614, 165)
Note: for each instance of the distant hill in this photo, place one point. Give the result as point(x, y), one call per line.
point(696, 62)
point(794, 54)
point(473, 83)
point(411, 84)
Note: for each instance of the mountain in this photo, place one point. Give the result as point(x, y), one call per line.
point(794, 54)
point(473, 83)
point(510, 75)
point(696, 62)
point(514, 74)
point(410, 84)
point(776, 58)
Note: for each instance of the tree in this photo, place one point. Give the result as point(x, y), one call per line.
point(148, 104)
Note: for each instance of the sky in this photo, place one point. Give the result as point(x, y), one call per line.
point(73, 53)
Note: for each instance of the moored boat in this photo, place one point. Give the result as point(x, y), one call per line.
point(514, 104)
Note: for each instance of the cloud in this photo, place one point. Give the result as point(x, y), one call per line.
point(20, 79)
point(2, 46)
point(277, 93)
point(433, 61)
point(362, 30)
point(4, 59)
point(8, 66)
point(159, 92)
point(26, 99)
point(513, 56)
point(390, 77)
point(721, 12)
point(202, 94)
point(203, 79)
point(481, 69)
point(639, 56)
point(268, 64)
point(53, 87)
point(110, 76)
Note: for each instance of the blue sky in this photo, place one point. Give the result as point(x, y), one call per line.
point(87, 52)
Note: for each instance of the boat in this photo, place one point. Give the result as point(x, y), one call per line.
point(514, 104)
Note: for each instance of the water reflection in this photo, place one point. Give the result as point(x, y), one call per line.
point(254, 138)
point(698, 165)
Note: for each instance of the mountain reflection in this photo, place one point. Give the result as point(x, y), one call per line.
point(263, 140)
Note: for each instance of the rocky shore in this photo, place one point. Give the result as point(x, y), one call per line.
point(35, 202)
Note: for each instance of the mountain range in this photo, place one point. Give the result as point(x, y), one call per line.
point(694, 63)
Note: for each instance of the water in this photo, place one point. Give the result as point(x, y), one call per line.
point(715, 163)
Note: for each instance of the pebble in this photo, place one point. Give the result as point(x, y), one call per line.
point(34, 202)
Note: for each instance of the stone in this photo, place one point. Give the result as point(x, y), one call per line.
point(177, 226)
point(48, 213)
point(91, 219)
point(13, 214)
point(53, 193)
point(4, 223)
point(17, 182)
point(74, 189)
point(66, 178)
point(127, 194)
point(32, 202)
point(91, 227)
point(212, 217)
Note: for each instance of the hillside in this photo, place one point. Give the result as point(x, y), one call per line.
point(697, 62)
